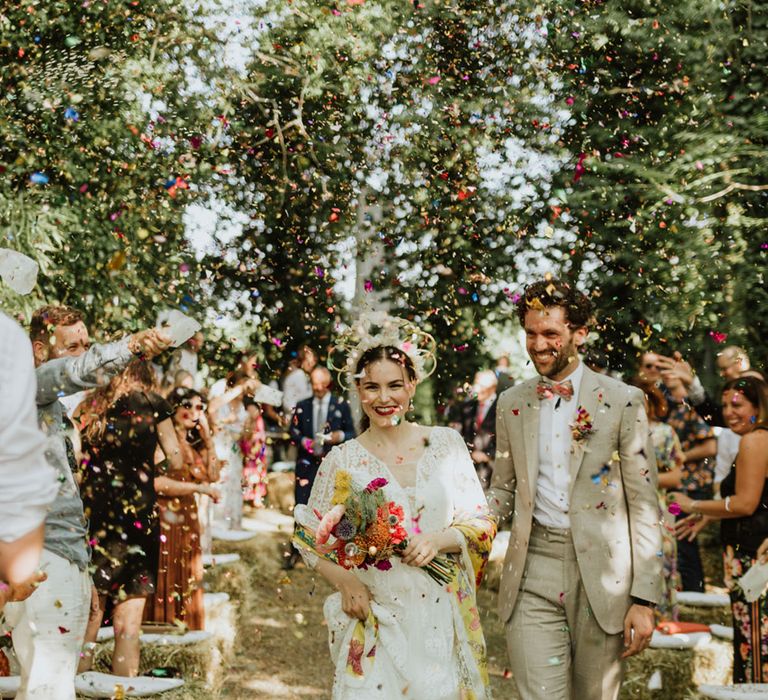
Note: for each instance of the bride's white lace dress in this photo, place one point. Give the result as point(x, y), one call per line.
point(426, 642)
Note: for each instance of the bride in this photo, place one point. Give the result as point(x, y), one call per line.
point(398, 633)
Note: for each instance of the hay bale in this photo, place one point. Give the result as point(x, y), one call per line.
point(681, 670)
point(232, 579)
point(706, 615)
point(199, 662)
point(221, 621)
point(191, 690)
point(280, 491)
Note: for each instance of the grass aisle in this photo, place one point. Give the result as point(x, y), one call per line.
point(281, 649)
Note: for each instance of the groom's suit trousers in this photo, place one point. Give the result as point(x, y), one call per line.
point(557, 649)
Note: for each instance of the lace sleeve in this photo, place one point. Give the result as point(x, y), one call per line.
point(319, 501)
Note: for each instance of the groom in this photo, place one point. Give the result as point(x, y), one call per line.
point(575, 474)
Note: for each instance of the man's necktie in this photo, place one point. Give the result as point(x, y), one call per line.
point(320, 418)
point(480, 417)
point(548, 390)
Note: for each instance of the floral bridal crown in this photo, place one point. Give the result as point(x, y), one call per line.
point(377, 328)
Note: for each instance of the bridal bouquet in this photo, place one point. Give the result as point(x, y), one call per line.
point(368, 529)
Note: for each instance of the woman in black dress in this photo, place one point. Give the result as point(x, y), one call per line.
point(744, 514)
point(122, 424)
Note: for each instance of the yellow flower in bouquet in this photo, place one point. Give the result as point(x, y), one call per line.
point(342, 487)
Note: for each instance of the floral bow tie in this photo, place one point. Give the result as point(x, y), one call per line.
point(547, 390)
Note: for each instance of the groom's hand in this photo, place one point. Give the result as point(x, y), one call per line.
point(638, 628)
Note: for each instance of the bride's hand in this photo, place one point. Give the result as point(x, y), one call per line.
point(355, 597)
point(421, 550)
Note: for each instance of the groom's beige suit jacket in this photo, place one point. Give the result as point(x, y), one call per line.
point(614, 510)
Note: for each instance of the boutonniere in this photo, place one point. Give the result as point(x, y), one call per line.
point(581, 428)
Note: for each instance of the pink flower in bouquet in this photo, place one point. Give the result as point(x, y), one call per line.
point(329, 521)
point(376, 484)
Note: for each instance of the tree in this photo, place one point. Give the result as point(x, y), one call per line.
point(103, 146)
point(653, 143)
point(412, 124)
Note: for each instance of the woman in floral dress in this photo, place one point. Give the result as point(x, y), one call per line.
point(670, 461)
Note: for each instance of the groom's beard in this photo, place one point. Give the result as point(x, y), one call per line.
point(562, 358)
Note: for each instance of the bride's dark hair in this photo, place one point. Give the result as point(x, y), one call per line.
point(382, 352)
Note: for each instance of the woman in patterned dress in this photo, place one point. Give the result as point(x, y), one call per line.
point(669, 460)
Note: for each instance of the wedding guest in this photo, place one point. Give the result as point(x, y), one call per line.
point(48, 629)
point(318, 424)
point(180, 378)
point(297, 385)
point(122, 425)
point(253, 446)
point(504, 374)
point(699, 449)
point(228, 416)
point(27, 482)
point(187, 358)
point(397, 633)
point(475, 419)
point(503, 365)
point(743, 511)
point(576, 476)
point(649, 369)
point(732, 362)
point(276, 425)
point(670, 463)
point(727, 449)
point(178, 596)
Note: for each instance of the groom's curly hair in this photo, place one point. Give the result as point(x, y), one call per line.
point(551, 292)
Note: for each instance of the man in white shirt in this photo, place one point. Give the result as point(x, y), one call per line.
point(28, 483)
point(575, 475)
point(48, 629)
point(296, 384)
point(727, 449)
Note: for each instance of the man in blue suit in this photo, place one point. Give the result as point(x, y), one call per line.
point(318, 424)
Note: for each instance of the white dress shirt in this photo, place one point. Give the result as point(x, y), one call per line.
point(28, 484)
point(296, 387)
point(554, 482)
point(320, 413)
point(727, 449)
